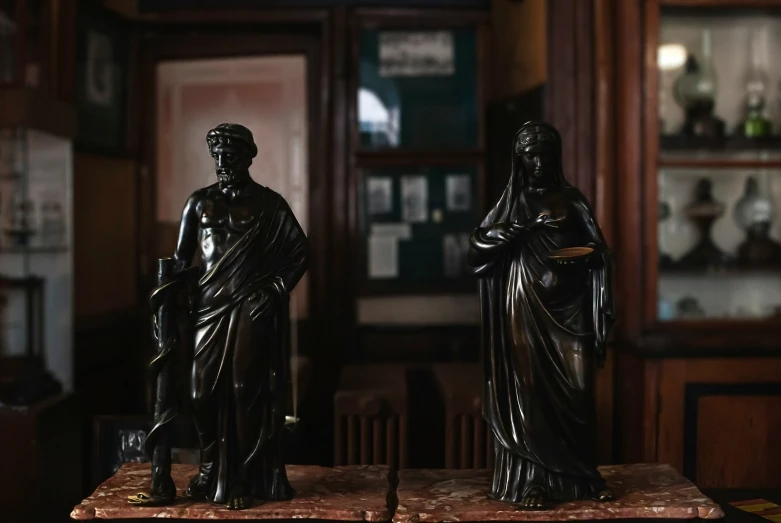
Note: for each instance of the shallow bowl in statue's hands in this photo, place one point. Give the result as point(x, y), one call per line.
point(571, 256)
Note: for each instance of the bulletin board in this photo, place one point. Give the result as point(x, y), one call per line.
point(428, 79)
point(416, 223)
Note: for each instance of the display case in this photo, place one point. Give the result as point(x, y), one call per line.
point(696, 183)
point(417, 147)
point(28, 54)
point(36, 270)
point(719, 128)
point(710, 172)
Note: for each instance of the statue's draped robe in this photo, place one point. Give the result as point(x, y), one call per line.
point(538, 340)
point(240, 365)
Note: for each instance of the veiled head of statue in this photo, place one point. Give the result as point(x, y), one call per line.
point(233, 148)
point(538, 149)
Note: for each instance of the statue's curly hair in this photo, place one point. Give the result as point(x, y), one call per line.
point(232, 133)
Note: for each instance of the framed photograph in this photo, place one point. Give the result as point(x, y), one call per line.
point(455, 247)
point(101, 65)
point(414, 199)
point(117, 440)
point(458, 192)
point(380, 194)
point(419, 53)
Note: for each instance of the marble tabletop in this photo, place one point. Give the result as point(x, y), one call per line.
point(361, 493)
point(642, 490)
point(356, 493)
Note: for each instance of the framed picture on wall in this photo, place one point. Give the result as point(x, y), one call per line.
point(102, 56)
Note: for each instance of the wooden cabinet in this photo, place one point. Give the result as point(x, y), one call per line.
point(715, 419)
point(42, 449)
point(698, 370)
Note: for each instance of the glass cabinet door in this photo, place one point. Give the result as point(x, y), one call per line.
point(416, 148)
point(418, 88)
point(718, 166)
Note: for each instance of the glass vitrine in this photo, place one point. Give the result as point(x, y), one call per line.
point(36, 270)
point(715, 162)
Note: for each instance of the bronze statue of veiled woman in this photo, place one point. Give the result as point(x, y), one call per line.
point(251, 252)
point(547, 309)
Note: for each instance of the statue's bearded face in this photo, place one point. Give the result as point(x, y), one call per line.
point(230, 162)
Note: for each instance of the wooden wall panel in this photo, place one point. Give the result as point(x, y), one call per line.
point(604, 387)
point(519, 47)
point(571, 86)
point(716, 417)
point(737, 441)
point(672, 381)
point(105, 253)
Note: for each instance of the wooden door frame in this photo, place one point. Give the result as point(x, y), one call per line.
point(308, 33)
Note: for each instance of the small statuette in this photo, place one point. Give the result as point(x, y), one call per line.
point(545, 269)
point(231, 313)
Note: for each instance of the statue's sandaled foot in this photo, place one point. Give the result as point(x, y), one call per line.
point(604, 495)
point(533, 500)
point(151, 500)
point(166, 496)
point(197, 488)
point(238, 499)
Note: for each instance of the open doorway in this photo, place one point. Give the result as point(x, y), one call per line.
point(266, 94)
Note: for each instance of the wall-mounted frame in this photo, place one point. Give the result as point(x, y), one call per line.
point(101, 79)
point(415, 224)
point(442, 81)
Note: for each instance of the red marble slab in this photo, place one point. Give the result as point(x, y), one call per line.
point(356, 493)
point(643, 491)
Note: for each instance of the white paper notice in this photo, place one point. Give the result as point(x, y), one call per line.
point(402, 231)
point(379, 194)
point(455, 248)
point(419, 53)
point(458, 192)
point(414, 199)
point(383, 257)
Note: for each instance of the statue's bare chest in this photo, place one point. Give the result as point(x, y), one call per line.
point(223, 220)
point(234, 214)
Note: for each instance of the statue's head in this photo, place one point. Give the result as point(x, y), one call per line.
point(233, 148)
point(538, 148)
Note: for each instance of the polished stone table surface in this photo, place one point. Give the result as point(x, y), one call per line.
point(357, 493)
point(366, 493)
point(643, 491)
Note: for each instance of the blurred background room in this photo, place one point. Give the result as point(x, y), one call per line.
point(387, 126)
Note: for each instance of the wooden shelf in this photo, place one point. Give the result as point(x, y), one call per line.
point(31, 108)
point(727, 272)
point(727, 152)
point(388, 157)
point(728, 4)
point(728, 322)
point(718, 163)
point(724, 144)
point(34, 250)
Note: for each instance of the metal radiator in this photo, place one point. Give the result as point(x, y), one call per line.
point(370, 411)
point(469, 442)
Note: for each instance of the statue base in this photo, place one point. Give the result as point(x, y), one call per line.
point(643, 491)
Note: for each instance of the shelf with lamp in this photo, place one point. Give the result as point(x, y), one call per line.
point(732, 126)
point(36, 268)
